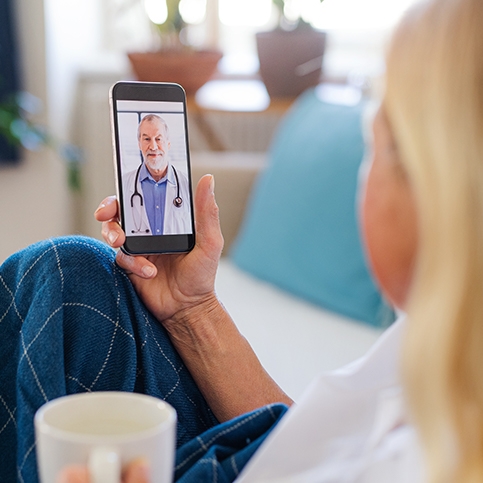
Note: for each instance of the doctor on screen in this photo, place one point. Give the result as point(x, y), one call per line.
point(156, 195)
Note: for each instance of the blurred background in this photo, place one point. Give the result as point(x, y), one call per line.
point(67, 53)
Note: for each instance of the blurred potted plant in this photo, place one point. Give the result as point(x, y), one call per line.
point(19, 131)
point(175, 60)
point(291, 55)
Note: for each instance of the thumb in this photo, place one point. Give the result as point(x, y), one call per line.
point(208, 232)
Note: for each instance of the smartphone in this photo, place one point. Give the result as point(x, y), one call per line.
point(152, 167)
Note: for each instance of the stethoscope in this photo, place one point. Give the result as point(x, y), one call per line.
point(178, 201)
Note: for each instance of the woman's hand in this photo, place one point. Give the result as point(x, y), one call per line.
point(179, 291)
point(170, 283)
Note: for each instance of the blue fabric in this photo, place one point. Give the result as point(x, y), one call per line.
point(154, 199)
point(301, 231)
point(220, 453)
point(71, 322)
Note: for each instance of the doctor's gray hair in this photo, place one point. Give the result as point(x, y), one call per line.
point(153, 118)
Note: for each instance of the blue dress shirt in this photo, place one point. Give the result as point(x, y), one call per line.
point(154, 194)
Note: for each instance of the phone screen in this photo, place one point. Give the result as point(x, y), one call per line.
point(153, 167)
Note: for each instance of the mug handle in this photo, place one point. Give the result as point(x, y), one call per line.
point(104, 465)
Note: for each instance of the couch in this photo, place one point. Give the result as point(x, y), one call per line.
point(293, 273)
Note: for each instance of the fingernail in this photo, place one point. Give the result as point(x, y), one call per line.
point(102, 205)
point(212, 184)
point(112, 236)
point(148, 271)
point(105, 202)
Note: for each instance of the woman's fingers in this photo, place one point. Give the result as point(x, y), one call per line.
point(113, 233)
point(108, 213)
point(74, 474)
point(136, 472)
point(208, 232)
point(107, 210)
point(139, 266)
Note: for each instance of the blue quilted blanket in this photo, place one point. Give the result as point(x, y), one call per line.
point(71, 322)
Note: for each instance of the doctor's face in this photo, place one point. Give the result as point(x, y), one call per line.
point(388, 216)
point(154, 145)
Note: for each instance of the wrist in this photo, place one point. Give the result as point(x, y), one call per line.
point(198, 327)
point(221, 360)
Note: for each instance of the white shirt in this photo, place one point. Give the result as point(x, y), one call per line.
point(177, 220)
point(350, 426)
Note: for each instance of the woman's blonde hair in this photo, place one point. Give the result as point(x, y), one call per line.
point(434, 102)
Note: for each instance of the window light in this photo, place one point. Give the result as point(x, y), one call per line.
point(254, 13)
point(193, 11)
point(354, 14)
point(157, 10)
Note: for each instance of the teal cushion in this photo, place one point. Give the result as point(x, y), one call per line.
point(301, 231)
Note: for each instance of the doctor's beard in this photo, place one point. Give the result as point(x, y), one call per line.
point(158, 163)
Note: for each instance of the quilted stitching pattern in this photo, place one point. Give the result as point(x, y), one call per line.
point(71, 322)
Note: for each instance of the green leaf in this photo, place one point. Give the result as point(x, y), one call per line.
point(18, 129)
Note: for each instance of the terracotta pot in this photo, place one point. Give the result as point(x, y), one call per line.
point(191, 69)
point(290, 61)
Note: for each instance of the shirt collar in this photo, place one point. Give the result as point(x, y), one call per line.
point(144, 174)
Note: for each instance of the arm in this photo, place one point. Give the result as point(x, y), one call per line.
point(179, 291)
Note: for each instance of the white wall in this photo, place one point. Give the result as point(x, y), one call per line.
point(72, 39)
point(34, 201)
point(58, 39)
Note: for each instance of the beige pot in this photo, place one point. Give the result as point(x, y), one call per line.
point(190, 69)
point(290, 61)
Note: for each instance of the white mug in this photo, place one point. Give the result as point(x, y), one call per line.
point(105, 431)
